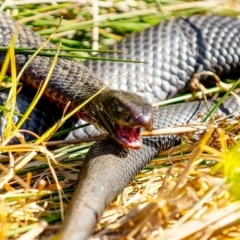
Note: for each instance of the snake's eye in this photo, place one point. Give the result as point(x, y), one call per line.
point(120, 109)
point(128, 118)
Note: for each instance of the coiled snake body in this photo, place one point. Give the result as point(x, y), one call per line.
point(174, 51)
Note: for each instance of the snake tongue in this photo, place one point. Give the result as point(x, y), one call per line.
point(128, 137)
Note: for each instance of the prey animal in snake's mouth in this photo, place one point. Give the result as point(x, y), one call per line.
point(123, 115)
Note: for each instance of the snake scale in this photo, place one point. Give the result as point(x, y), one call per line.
point(178, 48)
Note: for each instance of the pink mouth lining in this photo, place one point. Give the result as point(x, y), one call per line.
point(128, 137)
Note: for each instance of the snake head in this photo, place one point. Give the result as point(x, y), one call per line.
point(123, 115)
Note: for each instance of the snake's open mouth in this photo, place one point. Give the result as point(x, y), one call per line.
point(129, 137)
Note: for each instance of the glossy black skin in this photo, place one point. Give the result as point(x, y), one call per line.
point(187, 46)
point(210, 43)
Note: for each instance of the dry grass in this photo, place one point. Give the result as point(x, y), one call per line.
point(182, 194)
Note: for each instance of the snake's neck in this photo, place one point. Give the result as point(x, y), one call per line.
point(91, 111)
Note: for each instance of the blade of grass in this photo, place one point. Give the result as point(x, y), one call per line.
point(13, 92)
point(33, 50)
point(34, 102)
point(221, 101)
point(49, 132)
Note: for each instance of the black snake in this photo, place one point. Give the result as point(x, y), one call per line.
point(174, 51)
